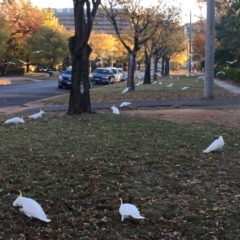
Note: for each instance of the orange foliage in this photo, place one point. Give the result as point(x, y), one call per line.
point(22, 18)
point(198, 44)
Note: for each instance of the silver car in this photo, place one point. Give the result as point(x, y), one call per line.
point(102, 75)
point(65, 79)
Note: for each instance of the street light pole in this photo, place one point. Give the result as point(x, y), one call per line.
point(190, 45)
point(209, 50)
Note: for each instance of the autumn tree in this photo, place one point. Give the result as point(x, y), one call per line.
point(23, 20)
point(4, 36)
point(105, 48)
point(136, 32)
point(198, 44)
point(84, 13)
point(54, 46)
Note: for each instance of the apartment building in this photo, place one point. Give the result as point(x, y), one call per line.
point(101, 23)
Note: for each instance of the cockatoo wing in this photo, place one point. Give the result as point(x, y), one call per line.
point(33, 209)
point(215, 145)
point(14, 120)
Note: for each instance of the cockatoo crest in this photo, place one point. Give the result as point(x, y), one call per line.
point(18, 201)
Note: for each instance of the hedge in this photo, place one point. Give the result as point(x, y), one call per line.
point(230, 74)
point(11, 71)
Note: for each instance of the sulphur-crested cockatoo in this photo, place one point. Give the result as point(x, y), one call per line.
point(14, 120)
point(232, 61)
point(37, 115)
point(169, 85)
point(30, 207)
point(184, 88)
point(125, 90)
point(125, 104)
point(216, 145)
point(115, 110)
point(126, 210)
point(220, 72)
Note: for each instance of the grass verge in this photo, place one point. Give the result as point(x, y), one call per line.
point(77, 168)
point(149, 92)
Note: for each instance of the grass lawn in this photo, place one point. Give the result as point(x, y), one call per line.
point(77, 168)
point(149, 92)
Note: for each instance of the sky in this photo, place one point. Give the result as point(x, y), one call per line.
point(185, 5)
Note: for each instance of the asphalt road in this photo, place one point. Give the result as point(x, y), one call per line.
point(23, 93)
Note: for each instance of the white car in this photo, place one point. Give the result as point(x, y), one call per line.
point(123, 75)
point(116, 74)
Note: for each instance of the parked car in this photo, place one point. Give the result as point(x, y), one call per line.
point(123, 75)
point(116, 73)
point(65, 79)
point(102, 75)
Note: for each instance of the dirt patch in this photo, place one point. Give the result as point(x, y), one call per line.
point(228, 117)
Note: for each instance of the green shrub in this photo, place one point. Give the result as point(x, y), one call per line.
point(14, 71)
point(232, 74)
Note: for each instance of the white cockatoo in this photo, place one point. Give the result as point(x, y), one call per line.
point(30, 207)
point(216, 145)
point(184, 88)
point(202, 77)
point(139, 83)
point(232, 61)
point(14, 120)
point(39, 51)
point(125, 90)
point(220, 72)
point(169, 85)
point(115, 110)
point(125, 104)
point(126, 210)
point(37, 115)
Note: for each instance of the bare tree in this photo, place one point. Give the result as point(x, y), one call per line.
point(136, 32)
point(167, 26)
point(84, 13)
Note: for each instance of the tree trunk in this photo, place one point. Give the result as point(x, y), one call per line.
point(163, 68)
point(28, 67)
point(79, 101)
point(167, 67)
point(155, 67)
point(84, 13)
point(147, 75)
point(131, 70)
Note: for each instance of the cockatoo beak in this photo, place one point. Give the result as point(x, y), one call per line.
point(17, 208)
